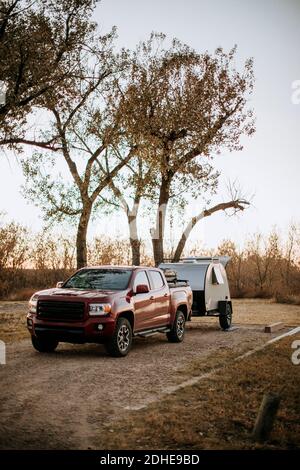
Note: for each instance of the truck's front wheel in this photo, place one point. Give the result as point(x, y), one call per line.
point(120, 343)
point(178, 328)
point(44, 344)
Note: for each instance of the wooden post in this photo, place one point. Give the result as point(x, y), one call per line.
point(274, 327)
point(266, 416)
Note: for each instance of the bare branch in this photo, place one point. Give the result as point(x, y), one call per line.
point(237, 205)
point(48, 145)
point(112, 173)
point(87, 93)
point(65, 149)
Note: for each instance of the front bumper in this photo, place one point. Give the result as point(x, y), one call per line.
point(85, 331)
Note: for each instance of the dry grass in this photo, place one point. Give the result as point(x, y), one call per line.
point(260, 312)
point(287, 299)
point(219, 412)
point(22, 294)
point(212, 362)
point(13, 321)
point(246, 312)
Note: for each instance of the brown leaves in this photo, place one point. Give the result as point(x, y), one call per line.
point(39, 47)
point(181, 102)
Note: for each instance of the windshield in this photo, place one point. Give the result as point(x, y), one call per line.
point(100, 279)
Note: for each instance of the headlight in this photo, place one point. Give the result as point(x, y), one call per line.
point(33, 303)
point(99, 309)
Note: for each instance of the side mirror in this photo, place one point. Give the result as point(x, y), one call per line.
point(141, 289)
point(59, 284)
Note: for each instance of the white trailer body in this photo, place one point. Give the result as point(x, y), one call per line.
point(208, 280)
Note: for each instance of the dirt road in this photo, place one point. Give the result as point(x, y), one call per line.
point(69, 398)
point(64, 400)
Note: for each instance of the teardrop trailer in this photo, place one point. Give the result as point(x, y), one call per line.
point(209, 283)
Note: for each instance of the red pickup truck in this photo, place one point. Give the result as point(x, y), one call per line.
point(110, 305)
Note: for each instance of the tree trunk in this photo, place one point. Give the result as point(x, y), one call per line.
point(185, 235)
point(158, 233)
point(81, 248)
point(158, 250)
point(134, 240)
point(135, 251)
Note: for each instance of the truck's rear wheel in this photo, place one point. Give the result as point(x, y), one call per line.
point(120, 343)
point(226, 318)
point(178, 328)
point(44, 344)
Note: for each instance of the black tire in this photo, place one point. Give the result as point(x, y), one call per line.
point(226, 319)
point(120, 343)
point(176, 334)
point(44, 345)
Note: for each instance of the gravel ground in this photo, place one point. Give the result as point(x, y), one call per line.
point(66, 399)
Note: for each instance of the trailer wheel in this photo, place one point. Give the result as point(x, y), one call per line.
point(225, 319)
point(44, 345)
point(178, 328)
point(120, 343)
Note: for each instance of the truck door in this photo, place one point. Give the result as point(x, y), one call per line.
point(144, 304)
point(161, 292)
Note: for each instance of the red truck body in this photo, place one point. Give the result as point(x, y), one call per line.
point(66, 314)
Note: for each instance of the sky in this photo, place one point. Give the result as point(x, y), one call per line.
point(268, 168)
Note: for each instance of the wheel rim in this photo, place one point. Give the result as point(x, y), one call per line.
point(180, 326)
point(228, 316)
point(123, 338)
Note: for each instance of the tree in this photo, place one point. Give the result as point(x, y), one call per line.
point(137, 182)
point(40, 43)
point(50, 251)
point(235, 269)
point(291, 244)
point(183, 108)
point(14, 252)
point(87, 135)
point(13, 246)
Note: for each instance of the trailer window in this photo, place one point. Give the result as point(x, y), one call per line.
point(217, 277)
point(157, 280)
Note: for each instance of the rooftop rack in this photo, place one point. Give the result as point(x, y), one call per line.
point(196, 259)
point(193, 259)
